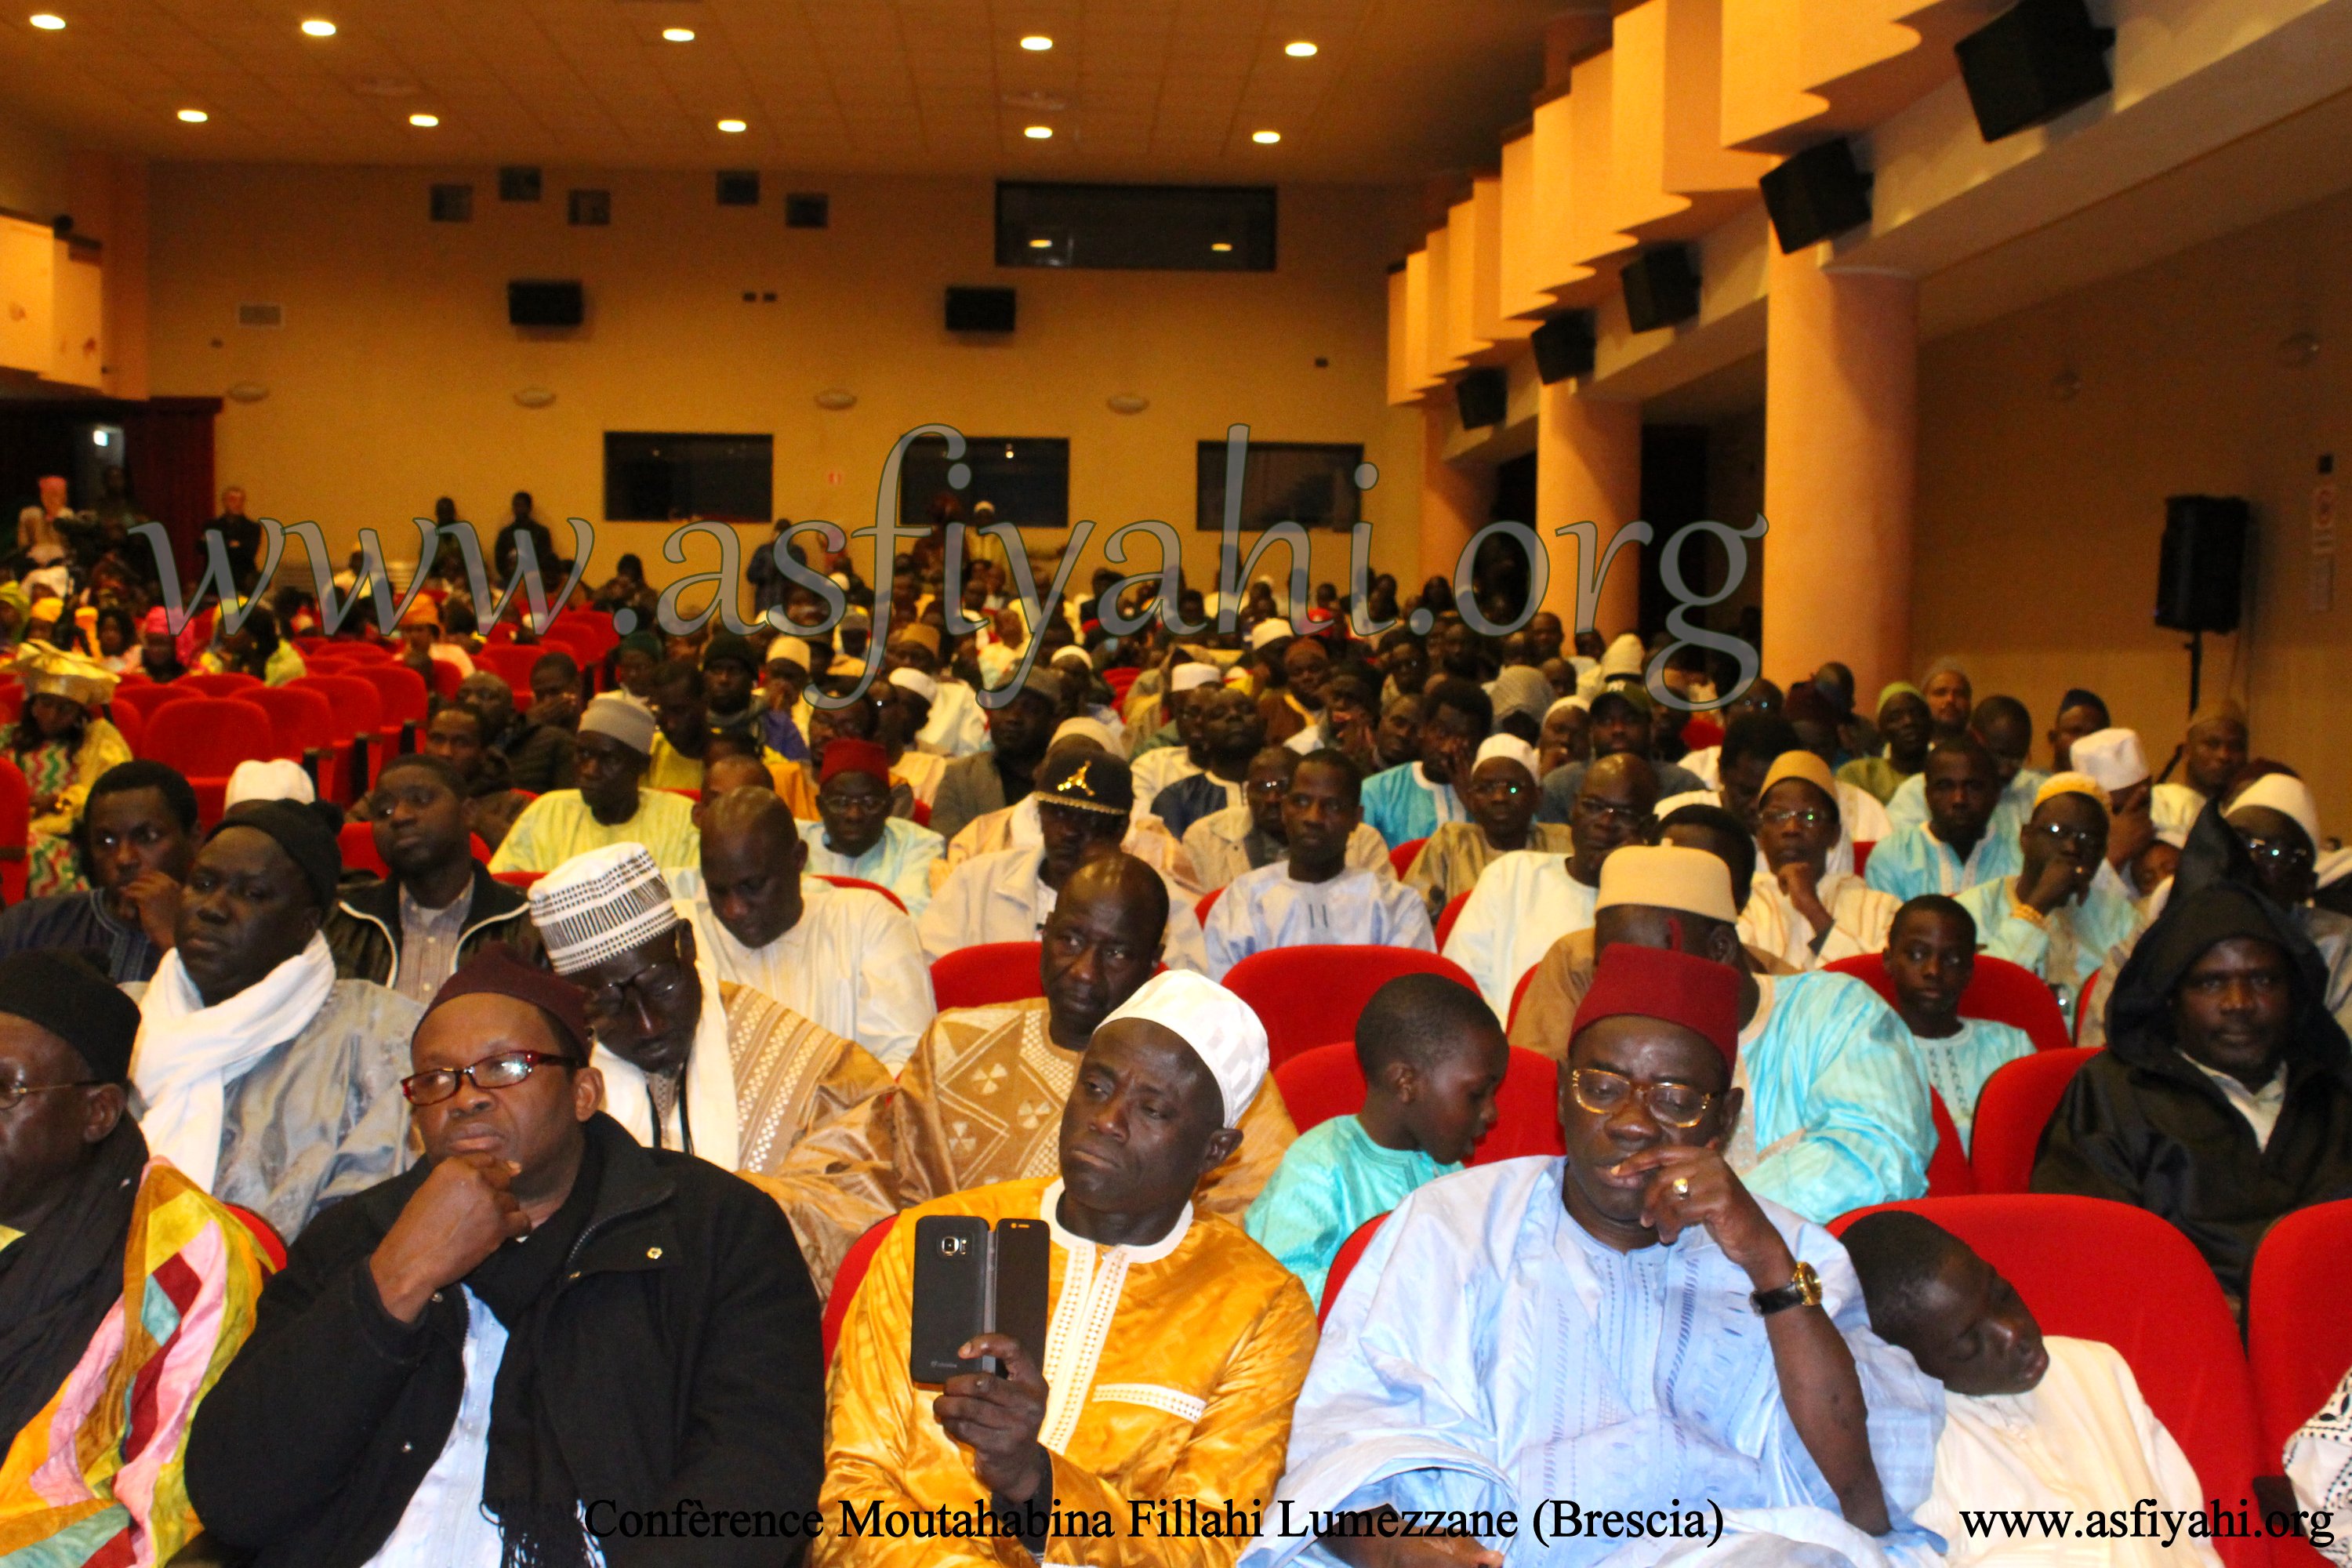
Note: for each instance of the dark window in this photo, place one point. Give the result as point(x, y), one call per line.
point(660, 477)
point(1167, 228)
point(453, 204)
point(807, 209)
point(518, 182)
point(1305, 482)
point(592, 209)
point(738, 187)
point(1025, 477)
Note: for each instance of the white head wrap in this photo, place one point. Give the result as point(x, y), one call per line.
point(2286, 794)
point(1574, 699)
point(1185, 676)
point(790, 648)
point(1093, 730)
point(279, 780)
point(1269, 631)
point(2111, 757)
point(1625, 656)
point(908, 678)
point(1222, 1030)
point(1507, 746)
point(622, 717)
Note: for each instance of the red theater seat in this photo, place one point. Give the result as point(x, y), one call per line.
point(206, 737)
point(1343, 1263)
point(2298, 1330)
point(993, 972)
point(870, 886)
point(854, 1265)
point(1319, 1084)
point(1447, 916)
point(2016, 1105)
point(1306, 995)
point(1401, 859)
point(1998, 991)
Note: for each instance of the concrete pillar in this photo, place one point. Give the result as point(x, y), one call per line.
point(1455, 498)
point(1589, 470)
point(1841, 443)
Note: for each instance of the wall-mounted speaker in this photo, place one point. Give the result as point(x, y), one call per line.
point(1815, 194)
point(1483, 398)
point(2200, 572)
point(1661, 288)
point(2032, 63)
point(1563, 347)
point(980, 309)
point(738, 187)
point(544, 303)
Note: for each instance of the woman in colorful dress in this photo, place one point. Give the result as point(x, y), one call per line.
point(61, 744)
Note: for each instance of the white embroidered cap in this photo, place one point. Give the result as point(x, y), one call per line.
point(2112, 757)
point(1507, 746)
point(1266, 631)
point(2285, 793)
point(906, 677)
point(1222, 1030)
point(279, 780)
point(1188, 676)
point(599, 904)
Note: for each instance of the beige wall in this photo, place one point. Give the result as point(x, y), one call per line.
point(2039, 518)
point(393, 379)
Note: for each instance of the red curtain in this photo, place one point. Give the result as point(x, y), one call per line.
point(169, 442)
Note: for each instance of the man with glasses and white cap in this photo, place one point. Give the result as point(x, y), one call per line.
point(1631, 1326)
point(1502, 794)
point(1160, 762)
point(2276, 817)
point(610, 806)
point(692, 1062)
point(2057, 916)
point(1176, 1346)
point(2114, 760)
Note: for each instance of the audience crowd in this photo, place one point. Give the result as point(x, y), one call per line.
point(509, 1146)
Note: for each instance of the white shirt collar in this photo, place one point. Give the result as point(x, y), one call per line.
point(1050, 1203)
point(2259, 1107)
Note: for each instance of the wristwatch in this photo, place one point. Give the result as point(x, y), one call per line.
point(1803, 1291)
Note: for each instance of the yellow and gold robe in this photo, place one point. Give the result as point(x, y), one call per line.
point(797, 1086)
point(1171, 1371)
point(980, 1101)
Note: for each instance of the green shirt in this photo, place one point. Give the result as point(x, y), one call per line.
point(1331, 1181)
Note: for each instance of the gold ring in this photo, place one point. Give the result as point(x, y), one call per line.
point(1682, 1186)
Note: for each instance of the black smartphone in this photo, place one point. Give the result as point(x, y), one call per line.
point(1024, 1257)
point(951, 1295)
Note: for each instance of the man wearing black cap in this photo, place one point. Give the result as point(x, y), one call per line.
point(85, 1217)
point(989, 781)
point(1084, 798)
point(540, 1338)
point(274, 1085)
point(1620, 722)
point(731, 684)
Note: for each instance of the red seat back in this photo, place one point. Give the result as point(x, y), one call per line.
point(149, 697)
point(264, 1235)
point(992, 973)
point(854, 1265)
point(1305, 995)
point(206, 737)
point(895, 902)
point(1447, 916)
point(2011, 1112)
point(400, 688)
point(2100, 1270)
point(228, 683)
point(1949, 1176)
point(511, 663)
point(519, 879)
point(357, 841)
point(15, 829)
point(128, 725)
point(301, 720)
point(1207, 901)
point(1999, 992)
point(446, 677)
point(1343, 1263)
point(2298, 1330)
point(1319, 1084)
point(352, 701)
point(1518, 995)
point(1401, 858)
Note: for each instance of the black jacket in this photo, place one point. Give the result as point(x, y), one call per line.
point(363, 930)
point(2144, 1125)
point(682, 1360)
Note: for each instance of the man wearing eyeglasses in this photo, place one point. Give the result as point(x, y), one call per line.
point(1528, 900)
point(692, 1062)
point(1801, 910)
point(1752, 744)
point(2277, 818)
point(88, 1221)
point(540, 1332)
point(1224, 844)
point(2057, 916)
point(1629, 1327)
point(1502, 794)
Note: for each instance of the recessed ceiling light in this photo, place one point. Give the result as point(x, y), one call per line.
point(1041, 244)
point(1039, 133)
point(318, 28)
point(1036, 43)
point(425, 122)
point(1221, 245)
point(733, 127)
point(678, 34)
point(194, 116)
point(1301, 50)
point(48, 24)
point(1265, 138)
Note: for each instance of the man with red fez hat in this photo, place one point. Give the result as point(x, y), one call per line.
point(541, 1330)
point(855, 835)
point(1626, 1326)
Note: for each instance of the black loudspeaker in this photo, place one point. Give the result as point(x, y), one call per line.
point(738, 187)
point(1563, 347)
point(1484, 396)
point(543, 304)
point(979, 310)
point(1815, 194)
point(2032, 63)
point(2201, 572)
point(1661, 288)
